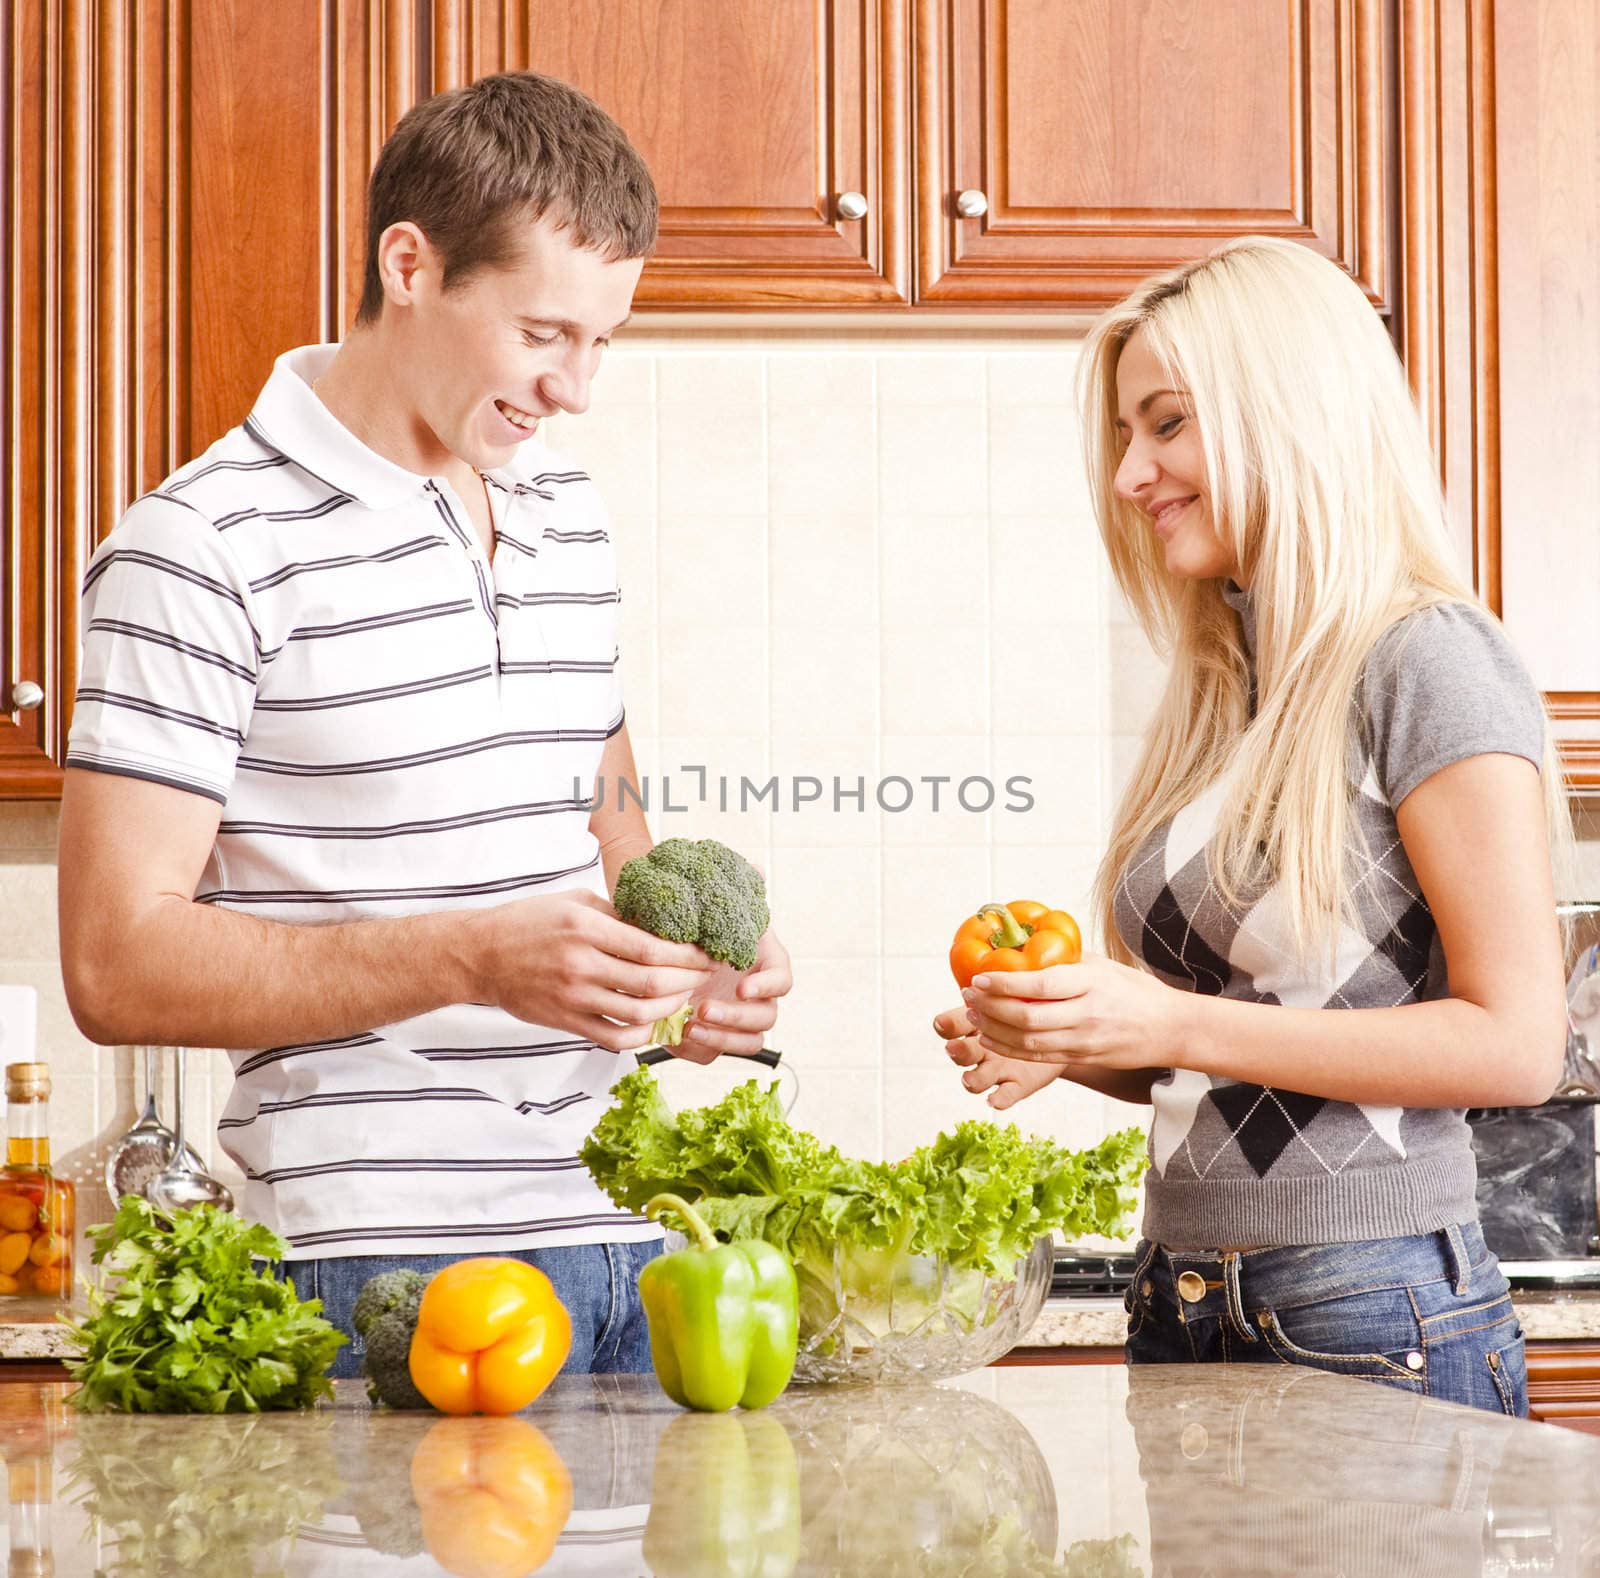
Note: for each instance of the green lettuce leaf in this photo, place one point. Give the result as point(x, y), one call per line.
point(978, 1198)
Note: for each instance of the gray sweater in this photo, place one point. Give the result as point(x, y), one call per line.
point(1239, 1165)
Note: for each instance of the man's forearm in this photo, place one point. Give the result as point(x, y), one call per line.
point(187, 974)
point(617, 822)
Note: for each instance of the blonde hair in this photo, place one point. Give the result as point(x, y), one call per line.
point(1324, 489)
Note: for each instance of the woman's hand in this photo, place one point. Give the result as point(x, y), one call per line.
point(733, 1011)
point(1093, 1015)
point(1008, 1080)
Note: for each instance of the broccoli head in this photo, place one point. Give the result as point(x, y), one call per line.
point(385, 1316)
point(699, 891)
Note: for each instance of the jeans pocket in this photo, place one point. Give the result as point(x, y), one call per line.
point(1373, 1336)
point(1508, 1369)
point(1136, 1300)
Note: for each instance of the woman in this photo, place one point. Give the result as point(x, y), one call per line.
point(1328, 896)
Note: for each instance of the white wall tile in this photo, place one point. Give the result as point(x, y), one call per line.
point(914, 990)
point(1136, 680)
point(625, 377)
point(28, 910)
point(1033, 378)
point(818, 896)
point(723, 378)
point(824, 683)
point(1066, 787)
point(1035, 465)
point(843, 1108)
point(713, 678)
point(1061, 875)
point(824, 570)
point(927, 893)
point(1044, 572)
point(697, 791)
point(933, 811)
point(820, 778)
point(1050, 681)
point(924, 378)
point(830, 1020)
point(936, 677)
point(712, 568)
point(933, 458)
point(821, 455)
point(712, 459)
point(935, 571)
point(833, 377)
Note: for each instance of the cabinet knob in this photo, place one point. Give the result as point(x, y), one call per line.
point(25, 695)
point(851, 205)
point(972, 204)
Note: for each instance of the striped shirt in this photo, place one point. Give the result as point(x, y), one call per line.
point(394, 723)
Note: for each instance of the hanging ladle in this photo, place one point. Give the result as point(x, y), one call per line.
point(184, 1184)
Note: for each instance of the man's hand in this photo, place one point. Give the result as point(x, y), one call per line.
point(1008, 1080)
point(734, 1010)
point(566, 961)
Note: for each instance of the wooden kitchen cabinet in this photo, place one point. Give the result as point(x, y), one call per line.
point(1097, 143)
point(756, 118)
point(1564, 1384)
point(185, 183)
point(184, 201)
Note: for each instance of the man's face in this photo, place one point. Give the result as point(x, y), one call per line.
point(493, 355)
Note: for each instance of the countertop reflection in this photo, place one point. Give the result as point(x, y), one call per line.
point(1071, 1471)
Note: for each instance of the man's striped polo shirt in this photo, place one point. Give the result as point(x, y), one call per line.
point(393, 724)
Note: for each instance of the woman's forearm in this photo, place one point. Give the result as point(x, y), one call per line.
point(1126, 1084)
point(1447, 1053)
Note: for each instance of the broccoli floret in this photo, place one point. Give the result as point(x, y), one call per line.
point(385, 1315)
point(699, 891)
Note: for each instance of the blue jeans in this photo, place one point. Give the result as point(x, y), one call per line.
point(1431, 1314)
point(598, 1283)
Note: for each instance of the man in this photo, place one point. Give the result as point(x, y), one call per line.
point(341, 676)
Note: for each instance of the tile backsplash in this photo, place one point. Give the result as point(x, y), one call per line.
point(862, 594)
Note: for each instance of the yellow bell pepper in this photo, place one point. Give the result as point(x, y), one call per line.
point(491, 1335)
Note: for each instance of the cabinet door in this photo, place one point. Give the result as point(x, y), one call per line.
point(1547, 137)
point(755, 116)
point(1067, 151)
point(1500, 142)
point(184, 201)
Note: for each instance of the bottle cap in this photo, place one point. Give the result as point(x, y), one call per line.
point(27, 1081)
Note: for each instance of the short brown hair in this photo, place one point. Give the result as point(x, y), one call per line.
point(468, 166)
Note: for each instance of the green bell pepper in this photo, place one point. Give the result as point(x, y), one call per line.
point(724, 1499)
point(724, 1318)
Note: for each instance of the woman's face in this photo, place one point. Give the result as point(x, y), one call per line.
point(1163, 471)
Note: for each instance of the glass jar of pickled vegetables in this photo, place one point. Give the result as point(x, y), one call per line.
point(36, 1208)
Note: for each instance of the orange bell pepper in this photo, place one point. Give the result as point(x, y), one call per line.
point(494, 1496)
point(491, 1334)
point(1023, 935)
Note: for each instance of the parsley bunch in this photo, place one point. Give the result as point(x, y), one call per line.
point(194, 1326)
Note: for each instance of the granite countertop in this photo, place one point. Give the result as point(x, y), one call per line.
point(1076, 1471)
point(1096, 1323)
point(1063, 1323)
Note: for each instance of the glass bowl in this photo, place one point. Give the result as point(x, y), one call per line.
point(882, 1316)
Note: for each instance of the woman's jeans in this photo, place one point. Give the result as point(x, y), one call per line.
point(1431, 1315)
point(598, 1283)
